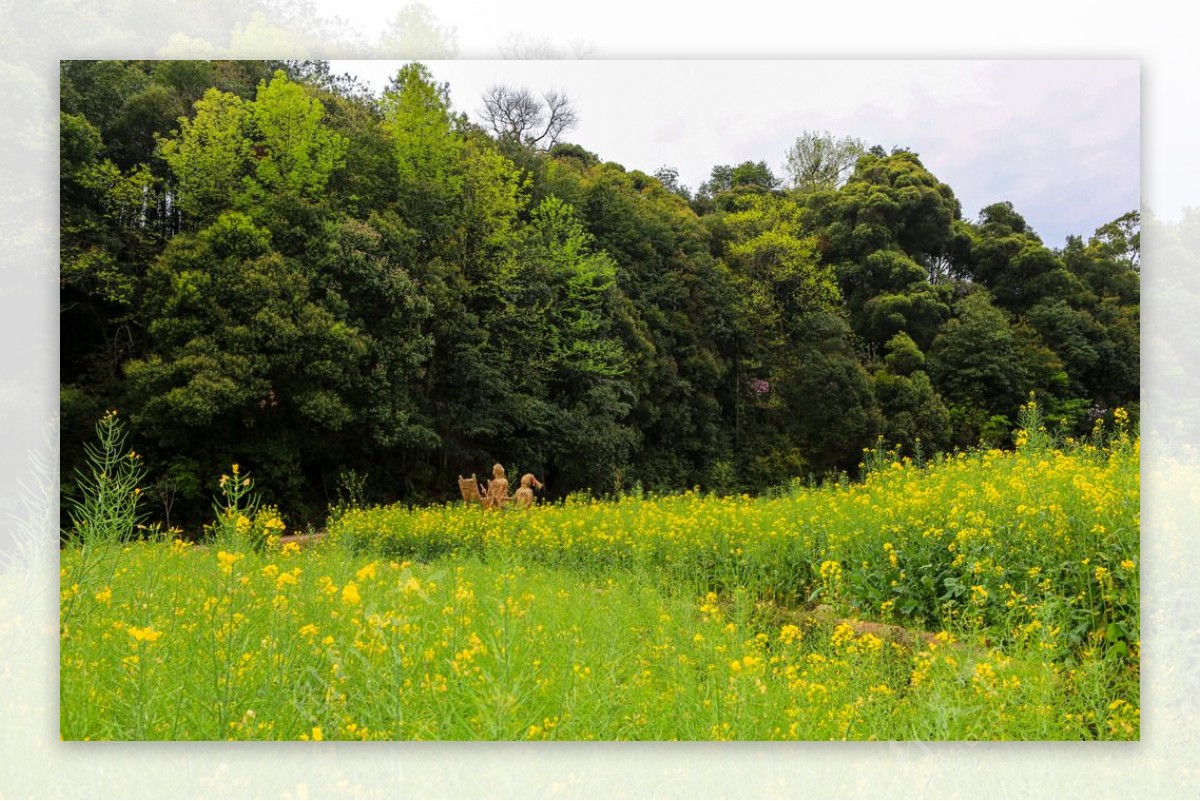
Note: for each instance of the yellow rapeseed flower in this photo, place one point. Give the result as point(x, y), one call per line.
point(226, 560)
point(290, 577)
point(146, 634)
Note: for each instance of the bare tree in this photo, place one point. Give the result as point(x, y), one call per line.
point(583, 48)
point(521, 116)
point(518, 47)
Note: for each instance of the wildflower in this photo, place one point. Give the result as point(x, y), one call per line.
point(831, 570)
point(227, 560)
point(984, 677)
point(872, 643)
point(290, 577)
point(147, 634)
point(317, 734)
point(350, 594)
point(842, 635)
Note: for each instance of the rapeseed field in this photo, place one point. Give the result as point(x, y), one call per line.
point(986, 595)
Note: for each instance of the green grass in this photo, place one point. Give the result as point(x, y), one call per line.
point(663, 618)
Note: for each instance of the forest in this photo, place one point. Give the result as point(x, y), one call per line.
point(265, 264)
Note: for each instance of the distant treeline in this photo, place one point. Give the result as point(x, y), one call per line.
point(264, 263)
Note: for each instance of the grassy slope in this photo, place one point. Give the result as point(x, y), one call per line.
point(644, 619)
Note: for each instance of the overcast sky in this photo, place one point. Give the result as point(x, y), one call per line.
point(1060, 139)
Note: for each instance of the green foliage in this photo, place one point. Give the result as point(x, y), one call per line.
point(975, 364)
point(818, 161)
point(914, 412)
point(776, 265)
point(351, 494)
point(903, 355)
point(238, 342)
point(417, 113)
point(104, 509)
point(79, 142)
point(264, 263)
point(297, 153)
point(212, 155)
point(234, 510)
point(1121, 240)
point(729, 183)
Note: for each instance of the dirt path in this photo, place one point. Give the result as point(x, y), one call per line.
point(303, 539)
point(884, 631)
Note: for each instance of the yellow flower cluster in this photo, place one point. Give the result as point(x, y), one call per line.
point(648, 618)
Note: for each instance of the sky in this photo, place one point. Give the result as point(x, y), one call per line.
point(1059, 139)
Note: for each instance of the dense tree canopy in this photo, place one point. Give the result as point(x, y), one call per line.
point(264, 263)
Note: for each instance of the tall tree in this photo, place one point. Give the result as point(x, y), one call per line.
point(294, 151)
point(518, 115)
point(212, 155)
point(882, 230)
point(985, 366)
point(242, 363)
point(818, 160)
point(803, 402)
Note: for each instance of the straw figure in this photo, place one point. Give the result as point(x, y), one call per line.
point(497, 490)
point(524, 496)
point(470, 490)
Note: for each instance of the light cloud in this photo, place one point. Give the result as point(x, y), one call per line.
point(1059, 139)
